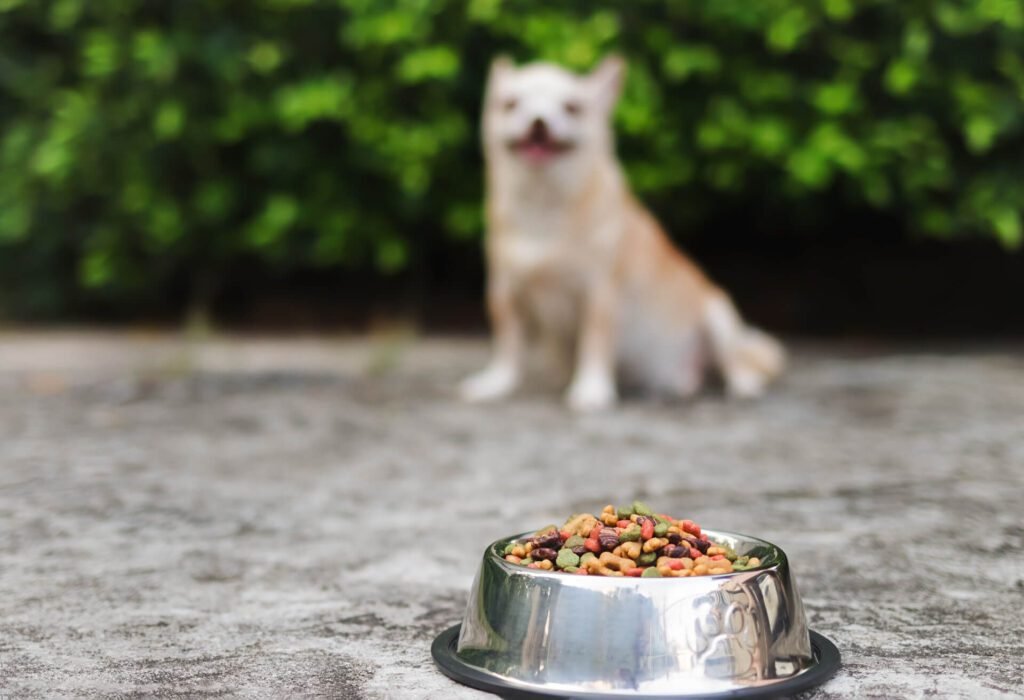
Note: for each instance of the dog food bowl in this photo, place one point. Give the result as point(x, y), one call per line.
point(534, 633)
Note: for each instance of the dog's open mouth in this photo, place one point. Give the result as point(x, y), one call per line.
point(538, 145)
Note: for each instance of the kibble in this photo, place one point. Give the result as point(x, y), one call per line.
point(574, 541)
point(567, 558)
point(544, 553)
point(633, 533)
point(630, 549)
point(626, 541)
point(653, 544)
point(609, 538)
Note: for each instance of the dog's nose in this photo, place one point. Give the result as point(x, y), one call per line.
point(538, 130)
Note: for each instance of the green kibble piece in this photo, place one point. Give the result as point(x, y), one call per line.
point(661, 529)
point(660, 519)
point(630, 534)
point(574, 541)
point(588, 556)
point(641, 508)
point(566, 557)
point(740, 561)
point(647, 558)
point(624, 513)
point(526, 560)
point(730, 555)
point(571, 569)
point(546, 529)
point(509, 547)
point(651, 572)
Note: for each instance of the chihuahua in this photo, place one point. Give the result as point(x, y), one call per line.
point(576, 260)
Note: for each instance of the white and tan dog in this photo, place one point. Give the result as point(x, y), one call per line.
point(573, 256)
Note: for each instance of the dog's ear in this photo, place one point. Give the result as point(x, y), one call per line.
point(501, 67)
point(606, 80)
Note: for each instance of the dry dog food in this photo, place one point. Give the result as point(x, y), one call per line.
point(631, 541)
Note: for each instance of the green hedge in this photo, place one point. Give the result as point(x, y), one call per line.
point(146, 140)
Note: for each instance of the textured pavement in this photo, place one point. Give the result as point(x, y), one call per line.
point(273, 518)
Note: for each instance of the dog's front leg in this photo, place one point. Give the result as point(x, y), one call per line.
point(501, 377)
point(593, 382)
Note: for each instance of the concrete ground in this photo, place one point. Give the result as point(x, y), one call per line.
point(300, 517)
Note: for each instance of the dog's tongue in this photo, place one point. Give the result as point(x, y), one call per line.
point(537, 153)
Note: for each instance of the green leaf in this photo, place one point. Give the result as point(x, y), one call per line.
point(788, 29)
point(836, 98)
point(430, 63)
point(770, 136)
point(333, 244)
point(265, 57)
point(64, 14)
point(391, 254)
point(166, 225)
point(15, 220)
point(213, 200)
point(484, 11)
point(325, 97)
point(900, 76)
point(100, 54)
point(683, 61)
point(980, 132)
point(839, 9)
point(1007, 225)
point(96, 269)
point(464, 219)
point(269, 227)
point(711, 136)
point(917, 40)
point(169, 120)
point(155, 55)
point(958, 21)
point(877, 189)
point(809, 168)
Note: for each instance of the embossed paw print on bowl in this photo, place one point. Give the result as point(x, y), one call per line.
point(533, 633)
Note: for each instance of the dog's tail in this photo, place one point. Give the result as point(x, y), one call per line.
point(748, 358)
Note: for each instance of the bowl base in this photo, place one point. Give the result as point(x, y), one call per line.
point(826, 663)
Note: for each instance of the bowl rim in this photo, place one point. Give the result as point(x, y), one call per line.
point(780, 559)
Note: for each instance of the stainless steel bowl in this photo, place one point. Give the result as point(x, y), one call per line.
point(538, 633)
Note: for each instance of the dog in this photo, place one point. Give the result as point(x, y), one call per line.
point(574, 258)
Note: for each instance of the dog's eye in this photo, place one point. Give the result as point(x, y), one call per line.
point(509, 104)
point(572, 107)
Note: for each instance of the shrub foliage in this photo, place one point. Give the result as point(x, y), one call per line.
point(142, 141)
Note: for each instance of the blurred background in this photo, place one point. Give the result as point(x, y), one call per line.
point(845, 167)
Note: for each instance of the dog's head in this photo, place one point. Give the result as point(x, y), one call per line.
point(541, 114)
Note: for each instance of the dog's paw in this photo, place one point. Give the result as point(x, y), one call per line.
point(745, 384)
point(591, 393)
point(489, 385)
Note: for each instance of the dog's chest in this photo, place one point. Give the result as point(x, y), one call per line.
point(527, 256)
point(537, 244)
